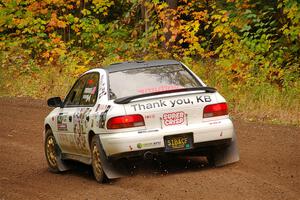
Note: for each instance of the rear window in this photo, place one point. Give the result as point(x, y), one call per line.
point(151, 79)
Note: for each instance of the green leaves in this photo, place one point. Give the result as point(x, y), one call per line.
point(250, 38)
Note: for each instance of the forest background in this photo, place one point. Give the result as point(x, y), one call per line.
point(249, 50)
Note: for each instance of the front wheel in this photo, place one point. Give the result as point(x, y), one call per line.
point(96, 161)
point(51, 152)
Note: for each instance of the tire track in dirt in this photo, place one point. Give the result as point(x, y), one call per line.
point(269, 166)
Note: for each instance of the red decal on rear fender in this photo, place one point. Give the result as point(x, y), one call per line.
point(173, 118)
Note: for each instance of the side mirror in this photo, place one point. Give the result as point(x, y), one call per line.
point(54, 102)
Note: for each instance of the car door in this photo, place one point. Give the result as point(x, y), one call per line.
point(81, 117)
point(73, 118)
point(65, 117)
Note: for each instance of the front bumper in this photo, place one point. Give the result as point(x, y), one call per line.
point(127, 144)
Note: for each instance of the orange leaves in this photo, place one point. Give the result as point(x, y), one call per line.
point(70, 7)
point(56, 40)
point(55, 22)
point(46, 54)
point(201, 15)
point(191, 26)
point(38, 8)
point(61, 24)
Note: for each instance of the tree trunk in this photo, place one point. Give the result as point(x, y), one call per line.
point(172, 3)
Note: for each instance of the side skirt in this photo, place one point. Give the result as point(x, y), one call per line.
point(85, 160)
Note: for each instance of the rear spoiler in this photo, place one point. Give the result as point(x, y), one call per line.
point(125, 100)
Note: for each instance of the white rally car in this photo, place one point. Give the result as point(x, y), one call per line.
point(138, 109)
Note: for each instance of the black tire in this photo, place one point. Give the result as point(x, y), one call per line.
point(98, 171)
point(52, 152)
point(211, 159)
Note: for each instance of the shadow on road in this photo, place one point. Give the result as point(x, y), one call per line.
point(156, 167)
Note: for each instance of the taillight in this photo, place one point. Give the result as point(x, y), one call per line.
point(127, 121)
point(215, 110)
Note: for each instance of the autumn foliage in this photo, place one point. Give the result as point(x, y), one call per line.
point(236, 45)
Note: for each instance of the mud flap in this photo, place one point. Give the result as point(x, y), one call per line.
point(111, 169)
point(61, 165)
point(227, 155)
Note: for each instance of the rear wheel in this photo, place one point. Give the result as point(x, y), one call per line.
point(96, 161)
point(211, 158)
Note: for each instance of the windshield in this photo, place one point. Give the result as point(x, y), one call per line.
point(151, 79)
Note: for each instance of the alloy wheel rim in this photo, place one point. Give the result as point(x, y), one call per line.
point(97, 162)
point(50, 150)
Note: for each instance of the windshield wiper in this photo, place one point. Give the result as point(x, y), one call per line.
point(124, 100)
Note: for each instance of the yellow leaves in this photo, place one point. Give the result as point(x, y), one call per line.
point(85, 12)
point(134, 34)
point(2, 44)
point(216, 17)
point(161, 6)
point(223, 30)
point(227, 36)
point(218, 29)
point(76, 19)
point(225, 17)
point(202, 15)
point(162, 38)
point(222, 17)
point(80, 70)
point(61, 24)
point(102, 6)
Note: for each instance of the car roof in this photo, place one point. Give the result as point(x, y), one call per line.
point(138, 64)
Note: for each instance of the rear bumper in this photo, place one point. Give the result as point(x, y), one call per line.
point(135, 143)
point(201, 148)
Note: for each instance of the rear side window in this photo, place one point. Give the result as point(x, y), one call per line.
point(75, 94)
point(89, 96)
point(84, 91)
point(150, 79)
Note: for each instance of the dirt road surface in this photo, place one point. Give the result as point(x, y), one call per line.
point(269, 168)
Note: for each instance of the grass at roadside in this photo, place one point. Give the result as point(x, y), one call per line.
point(259, 102)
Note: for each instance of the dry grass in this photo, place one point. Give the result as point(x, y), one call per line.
point(262, 102)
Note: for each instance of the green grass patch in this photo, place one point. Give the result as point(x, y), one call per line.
point(254, 101)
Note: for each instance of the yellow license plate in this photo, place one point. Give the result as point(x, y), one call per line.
point(178, 142)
